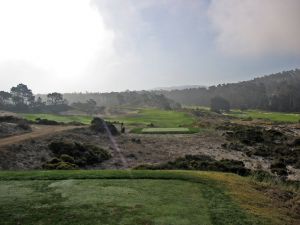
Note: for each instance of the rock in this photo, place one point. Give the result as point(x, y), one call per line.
point(101, 126)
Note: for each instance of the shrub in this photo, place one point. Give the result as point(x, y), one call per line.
point(101, 126)
point(101, 153)
point(10, 119)
point(278, 167)
point(296, 142)
point(250, 135)
point(261, 175)
point(62, 147)
point(75, 123)
point(66, 166)
point(60, 166)
point(24, 125)
point(136, 140)
point(201, 162)
point(47, 122)
point(79, 154)
point(67, 158)
point(54, 160)
point(50, 166)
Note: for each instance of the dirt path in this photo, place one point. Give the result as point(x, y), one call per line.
point(37, 131)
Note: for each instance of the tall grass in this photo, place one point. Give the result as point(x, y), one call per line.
point(269, 180)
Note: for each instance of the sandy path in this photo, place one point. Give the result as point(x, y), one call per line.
point(37, 131)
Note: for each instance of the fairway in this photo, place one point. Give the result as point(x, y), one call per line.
point(179, 130)
point(159, 118)
point(59, 118)
point(130, 198)
point(273, 116)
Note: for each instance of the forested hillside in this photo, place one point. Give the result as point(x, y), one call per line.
point(127, 98)
point(276, 92)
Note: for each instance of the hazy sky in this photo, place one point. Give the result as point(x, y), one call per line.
point(114, 45)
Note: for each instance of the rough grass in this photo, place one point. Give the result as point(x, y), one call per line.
point(133, 197)
point(197, 107)
point(59, 118)
point(178, 130)
point(159, 118)
point(190, 130)
point(273, 116)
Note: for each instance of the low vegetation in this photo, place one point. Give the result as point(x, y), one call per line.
point(10, 125)
point(68, 155)
point(201, 162)
point(58, 118)
point(271, 144)
point(272, 116)
point(179, 130)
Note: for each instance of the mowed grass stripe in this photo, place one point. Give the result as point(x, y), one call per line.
point(103, 201)
point(118, 197)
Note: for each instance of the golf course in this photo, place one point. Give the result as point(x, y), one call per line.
point(133, 197)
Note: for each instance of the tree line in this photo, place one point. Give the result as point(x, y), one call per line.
point(275, 92)
point(125, 98)
point(21, 99)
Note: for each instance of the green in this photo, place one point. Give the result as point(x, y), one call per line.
point(159, 118)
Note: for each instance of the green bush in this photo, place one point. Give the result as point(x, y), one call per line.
point(47, 122)
point(278, 167)
point(50, 166)
point(100, 152)
point(24, 125)
point(11, 119)
point(66, 166)
point(54, 160)
point(296, 142)
point(67, 158)
point(60, 166)
point(201, 162)
point(79, 154)
point(62, 147)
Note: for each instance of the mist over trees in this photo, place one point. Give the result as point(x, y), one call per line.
point(126, 98)
point(89, 107)
point(55, 98)
point(21, 99)
point(219, 104)
point(276, 92)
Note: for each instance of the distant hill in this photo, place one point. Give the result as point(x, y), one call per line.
point(181, 87)
point(277, 92)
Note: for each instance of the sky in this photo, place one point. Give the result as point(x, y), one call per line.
point(117, 45)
